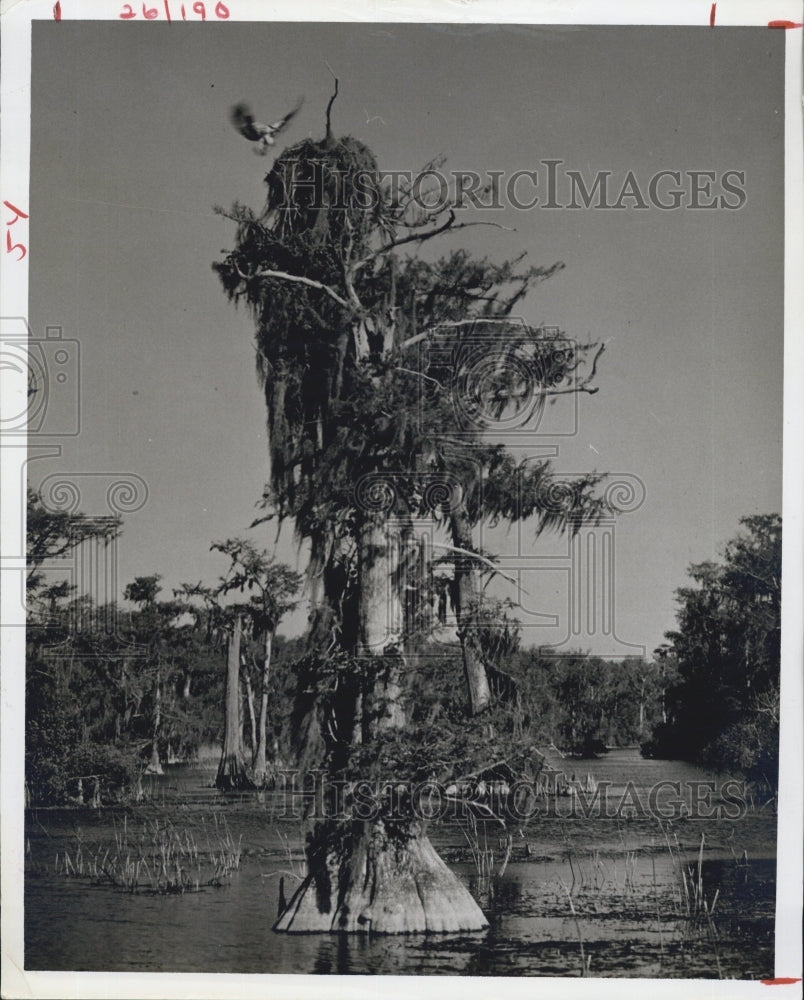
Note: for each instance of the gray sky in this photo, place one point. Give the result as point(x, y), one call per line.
point(131, 148)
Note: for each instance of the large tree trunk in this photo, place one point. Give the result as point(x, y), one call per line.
point(252, 719)
point(381, 876)
point(381, 624)
point(260, 759)
point(154, 765)
point(465, 600)
point(232, 771)
point(376, 881)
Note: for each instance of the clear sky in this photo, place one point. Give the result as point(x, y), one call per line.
point(132, 147)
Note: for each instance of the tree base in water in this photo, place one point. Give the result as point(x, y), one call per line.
point(232, 774)
point(377, 881)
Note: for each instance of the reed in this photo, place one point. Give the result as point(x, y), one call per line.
point(586, 960)
point(482, 854)
point(681, 907)
point(162, 859)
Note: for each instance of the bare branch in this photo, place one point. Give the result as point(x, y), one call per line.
point(414, 340)
point(331, 101)
point(392, 244)
point(284, 276)
point(350, 271)
point(448, 226)
point(429, 378)
point(583, 386)
point(475, 555)
point(594, 362)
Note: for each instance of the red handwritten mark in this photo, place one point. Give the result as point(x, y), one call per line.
point(18, 213)
point(782, 981)
point(712, 11)
point(152, 13)
point(57, 11)
point(785, 24)
point(11, 247)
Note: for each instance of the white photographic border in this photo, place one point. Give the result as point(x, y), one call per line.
point(15, 145)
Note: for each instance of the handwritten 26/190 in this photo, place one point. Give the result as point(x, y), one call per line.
point(151, 13)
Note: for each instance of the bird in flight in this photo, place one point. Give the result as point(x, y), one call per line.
point(254, 131)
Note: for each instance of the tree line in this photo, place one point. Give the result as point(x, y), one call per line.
point(115, 692)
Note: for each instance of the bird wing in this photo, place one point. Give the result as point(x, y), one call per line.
point(283, 122)
point(241, 116)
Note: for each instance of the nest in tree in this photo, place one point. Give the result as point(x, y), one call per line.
point(328, 190)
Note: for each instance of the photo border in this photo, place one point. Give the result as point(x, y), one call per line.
point(14, 292)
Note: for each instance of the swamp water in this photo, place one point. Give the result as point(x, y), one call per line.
point(595, 895)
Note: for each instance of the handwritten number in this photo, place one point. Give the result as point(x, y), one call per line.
point(151, 13)
point(18, 213)
point(11, 247)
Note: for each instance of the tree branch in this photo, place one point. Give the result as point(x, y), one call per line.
point(350, 271)
point(448, 226)
point(284, 276)
point(428, 378)
point(414, 340)
point(331, 102)
point(582, 386)
point(475, 555)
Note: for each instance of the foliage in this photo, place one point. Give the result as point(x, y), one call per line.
point(51, 534)
point(581, 703)
point(724, 707)
point(56, 758)
point(363, 355)
point(92, 671)
point(271, 585)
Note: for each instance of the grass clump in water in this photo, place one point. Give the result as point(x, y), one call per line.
point(163, 859)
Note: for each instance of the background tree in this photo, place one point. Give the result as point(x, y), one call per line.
point(233, 774)
point(152, 629)
point(724, 707)
point(271, 587)
point(51, 535)
point(71, 710)
point(222, 628)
